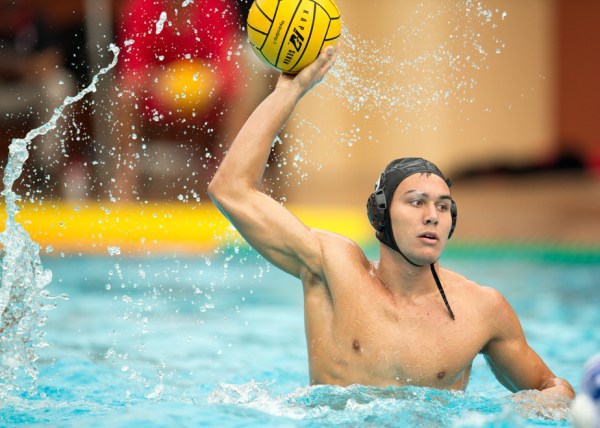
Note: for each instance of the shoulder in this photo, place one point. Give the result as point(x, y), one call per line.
point(338, 254)
point(335, 246)
point(491, 309)
point(335, 241)
point(488, 297)
point(489, 305)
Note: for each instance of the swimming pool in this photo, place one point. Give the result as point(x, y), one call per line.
point(219, 341)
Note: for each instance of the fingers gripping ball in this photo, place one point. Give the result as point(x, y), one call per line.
point(289, 34)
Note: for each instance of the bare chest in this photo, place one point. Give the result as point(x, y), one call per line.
point(375, 345)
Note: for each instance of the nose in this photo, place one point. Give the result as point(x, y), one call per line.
point(431, 215)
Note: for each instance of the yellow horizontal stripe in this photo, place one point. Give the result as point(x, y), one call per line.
point(156, 227)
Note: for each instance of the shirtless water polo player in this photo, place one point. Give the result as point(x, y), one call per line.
point(403, 320)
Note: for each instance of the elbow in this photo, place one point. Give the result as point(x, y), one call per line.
point(224, 189)
point(219, 183)
point(213, 188)
point(217, 189)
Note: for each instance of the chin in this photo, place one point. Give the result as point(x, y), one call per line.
point(427, 258)
point(427, 261)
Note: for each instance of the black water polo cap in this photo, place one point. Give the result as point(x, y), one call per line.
point(379, 201)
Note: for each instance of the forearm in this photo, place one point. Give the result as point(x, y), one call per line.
point(244, 165)
point(246, 159)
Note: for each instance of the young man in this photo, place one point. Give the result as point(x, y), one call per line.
point(377, 323)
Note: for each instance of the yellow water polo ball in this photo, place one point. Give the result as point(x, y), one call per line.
point(289, 34)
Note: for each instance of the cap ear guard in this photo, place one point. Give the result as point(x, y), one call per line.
point(454, 215)
point(376, 206)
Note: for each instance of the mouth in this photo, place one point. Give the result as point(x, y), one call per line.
point(430, 237)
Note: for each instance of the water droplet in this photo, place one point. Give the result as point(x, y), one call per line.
point(161, 22)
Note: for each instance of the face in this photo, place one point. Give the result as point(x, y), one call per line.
point(421, 219)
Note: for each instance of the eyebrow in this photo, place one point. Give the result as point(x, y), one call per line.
point(426, 195)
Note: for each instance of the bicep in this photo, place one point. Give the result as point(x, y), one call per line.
point(274, 232)
point(514, 363)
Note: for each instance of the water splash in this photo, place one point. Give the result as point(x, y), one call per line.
point(24, 278)
point(358, 405)
point(399, 83)
point(367, 78)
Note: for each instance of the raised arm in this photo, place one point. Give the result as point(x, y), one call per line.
point(514, 363)
point(270, 228)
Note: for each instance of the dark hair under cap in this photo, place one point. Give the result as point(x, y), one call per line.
point(379, 201)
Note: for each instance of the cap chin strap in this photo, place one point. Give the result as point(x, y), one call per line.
point(441, 290)
point(436, 278)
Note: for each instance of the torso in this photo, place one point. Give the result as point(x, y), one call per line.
point(359, 333)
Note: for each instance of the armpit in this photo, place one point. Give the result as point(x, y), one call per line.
point(315, 286)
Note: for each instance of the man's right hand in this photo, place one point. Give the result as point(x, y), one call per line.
point(311, 75)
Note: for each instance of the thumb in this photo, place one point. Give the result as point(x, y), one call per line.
point(327, 56)
point(322, 63)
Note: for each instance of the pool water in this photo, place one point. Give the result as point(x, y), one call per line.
point(219, 341)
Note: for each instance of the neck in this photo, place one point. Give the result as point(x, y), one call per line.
point(402, 276)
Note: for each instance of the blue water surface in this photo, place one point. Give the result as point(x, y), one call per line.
point(180, 341)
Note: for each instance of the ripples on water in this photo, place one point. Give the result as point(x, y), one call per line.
point(255, 404)
point(164, 357)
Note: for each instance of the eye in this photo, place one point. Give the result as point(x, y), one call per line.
point(416, 202)
point(444, 207)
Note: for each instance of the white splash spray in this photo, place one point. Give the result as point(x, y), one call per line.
point(23, 277)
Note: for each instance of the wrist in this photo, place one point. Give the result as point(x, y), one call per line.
point(290, 93)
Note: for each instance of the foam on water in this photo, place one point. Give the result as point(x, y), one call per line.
point(410, 406)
